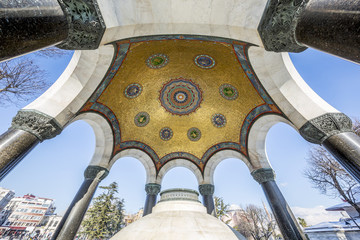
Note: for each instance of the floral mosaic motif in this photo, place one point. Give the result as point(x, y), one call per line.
point(228, 92)
point(218, 120)
point(166, 133)
point(142, 119)
point(204, 61)
point(157, 61)
point(180, 96)
point(194, 134)
point(133, 90)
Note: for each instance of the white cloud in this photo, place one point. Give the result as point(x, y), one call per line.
point(283, 184)
point(315, 215)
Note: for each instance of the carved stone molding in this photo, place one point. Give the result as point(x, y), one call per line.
point(40, 124)
point(317, 130)
point(92, 172)
point(206, 189)
point(152, 188)
point(263, 175)
point(86, 25)
point(278, 23)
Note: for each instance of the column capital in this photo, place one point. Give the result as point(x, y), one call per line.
point(206, 189)
point(278, 23)
point(86, 24)
point(318, 129)
point(152, 188)
point(40, 124)
point(93, 172)
point(263, 175)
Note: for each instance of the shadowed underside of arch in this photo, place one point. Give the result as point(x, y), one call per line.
point(180, 97)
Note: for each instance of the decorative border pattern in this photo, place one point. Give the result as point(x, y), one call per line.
point(157, 61)
point(194, 134)
point(228, 91)
point(142, 119)
point(204, 61)
point(133, 90)
point(218, 120)
point(166, 133)
point(240, 49)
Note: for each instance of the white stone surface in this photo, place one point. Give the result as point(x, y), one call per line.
point(179, 163)
point(236, 19)
point(75, 85)
point(143, 158)
point(177, 220)
point(286, 87)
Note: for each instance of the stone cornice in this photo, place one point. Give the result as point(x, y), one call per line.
point(86, 25)
point(93, 172)
point(263, 175)
point(152, 188)
point(40, 124)
point(206, 189)
point(278, 23)
point(317, 130)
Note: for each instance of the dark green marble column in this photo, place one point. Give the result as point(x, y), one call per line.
point(74, 215)
point(207, 192)
point(152, 190)
point(29, 127)
point(285, 219)
point(334, 132)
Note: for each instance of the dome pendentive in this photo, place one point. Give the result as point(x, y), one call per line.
point(180, 97)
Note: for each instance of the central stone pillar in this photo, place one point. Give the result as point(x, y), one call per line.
point(334, 132)
point(28, 128)
point(152, 190)
point(285, 219)
point(207, 192)
point(74, 215)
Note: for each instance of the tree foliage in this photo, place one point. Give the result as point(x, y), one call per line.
point(220, 207)
point(302, 222)
point(328, 176)
point(105, 217)
point(256, 223)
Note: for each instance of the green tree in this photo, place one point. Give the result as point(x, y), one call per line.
point(302, 222)
point(220, 207)
point(105, 217)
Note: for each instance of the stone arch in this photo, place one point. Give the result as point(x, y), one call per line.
point(256, 140)
point(140, 155)
point(180, 163)
point(218, 157)
point(103, 135)
point(286, 87)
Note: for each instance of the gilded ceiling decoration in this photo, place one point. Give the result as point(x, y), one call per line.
point(180, 97)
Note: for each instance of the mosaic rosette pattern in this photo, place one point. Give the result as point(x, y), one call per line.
point(157, 61)
point(133, 90)
point(194, 134)
point(228, 92)
point(180, 96)
point(166, 133)
point(142, 119)
point(204, 61)
point(218, 120)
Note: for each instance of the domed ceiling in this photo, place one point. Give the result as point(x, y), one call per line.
point(180, 97)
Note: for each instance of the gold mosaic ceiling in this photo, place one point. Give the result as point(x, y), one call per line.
point(180, 97)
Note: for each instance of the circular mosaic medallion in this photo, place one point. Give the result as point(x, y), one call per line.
point(142, 119)
point(228, 91)
point(180, 96)
point(133, 90)
point(166, 134)
point(204, 61)
point(194, 134)
point(157, 61)
point(218, 120)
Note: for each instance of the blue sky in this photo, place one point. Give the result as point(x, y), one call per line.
point(54, 169)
